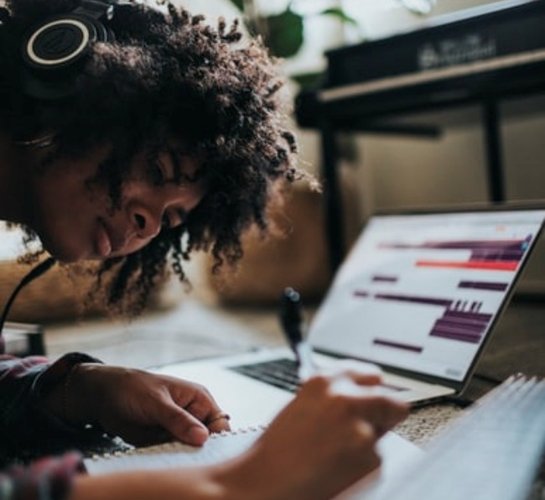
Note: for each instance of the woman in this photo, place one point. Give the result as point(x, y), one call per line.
point(130, 132)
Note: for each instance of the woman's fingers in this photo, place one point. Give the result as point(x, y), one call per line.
point(218, 421)
point(381, 412)
point(181, 424)
point(203, 407)
point(361, 395)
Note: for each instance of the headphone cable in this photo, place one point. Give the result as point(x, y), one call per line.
point(34, 273)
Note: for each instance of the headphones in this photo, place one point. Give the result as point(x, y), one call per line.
point(55, 49)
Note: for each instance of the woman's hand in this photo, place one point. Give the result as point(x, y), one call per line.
point(141, 407)
point(321, 443)
point(318, 446)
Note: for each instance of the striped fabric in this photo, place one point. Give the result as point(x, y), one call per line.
point(25, 424)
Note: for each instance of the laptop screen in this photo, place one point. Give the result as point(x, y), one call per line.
point(420, 292)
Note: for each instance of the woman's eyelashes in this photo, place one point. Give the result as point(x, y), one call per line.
point(157, 172)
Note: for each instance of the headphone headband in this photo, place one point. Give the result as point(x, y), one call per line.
point(99, 10)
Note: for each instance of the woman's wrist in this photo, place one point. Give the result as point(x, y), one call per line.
point(71, 399)
point(79, 405)
point(253, 476)
point(232, 480)
point(198, 483)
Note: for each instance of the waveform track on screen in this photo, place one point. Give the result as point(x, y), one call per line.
point(481, 250)
point(484, 285)
point(398, 345)
point(381, 278)
point(483, 265)
point(461, 320)
point(464, 326)
point(432, 301)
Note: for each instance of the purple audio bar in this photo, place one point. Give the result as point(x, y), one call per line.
point(398, 345)
point(461, 320)
point(385, 279)
point(484, 285)
point(465, 326)
point(487, 250)
point(430, 301)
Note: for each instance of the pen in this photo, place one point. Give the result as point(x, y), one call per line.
point(291, 319)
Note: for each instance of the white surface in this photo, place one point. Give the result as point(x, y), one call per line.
point(11, 243)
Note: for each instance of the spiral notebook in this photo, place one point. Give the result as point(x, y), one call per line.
point(396, 452)
point(219, 447)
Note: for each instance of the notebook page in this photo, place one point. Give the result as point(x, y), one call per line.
point(396, 452)
point(218, 447)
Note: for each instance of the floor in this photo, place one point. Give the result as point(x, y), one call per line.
point(192, 329)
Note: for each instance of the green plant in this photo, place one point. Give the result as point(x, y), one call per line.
point(419, 7)
point(284, 32)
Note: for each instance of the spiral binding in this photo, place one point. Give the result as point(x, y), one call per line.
point(174, 446)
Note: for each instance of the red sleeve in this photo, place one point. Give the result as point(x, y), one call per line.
point(45, 479)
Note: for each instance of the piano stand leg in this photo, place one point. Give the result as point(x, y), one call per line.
point(494, 156)
point(332, 197)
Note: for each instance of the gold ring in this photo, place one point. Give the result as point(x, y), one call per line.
point(218, 416)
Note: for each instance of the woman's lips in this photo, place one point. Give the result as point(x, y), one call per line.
point(103, 242)
point(110, 243)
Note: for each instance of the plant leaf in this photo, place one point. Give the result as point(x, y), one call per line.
point(285, 33)
point(239, 4)
point(340, 14)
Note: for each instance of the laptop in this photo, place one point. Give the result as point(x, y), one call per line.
point(418, 295)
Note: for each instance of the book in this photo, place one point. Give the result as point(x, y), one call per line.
point(493, 451)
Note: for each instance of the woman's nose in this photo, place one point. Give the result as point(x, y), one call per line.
point(147, 225)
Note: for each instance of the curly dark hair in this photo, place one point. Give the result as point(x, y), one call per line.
point(168, 75)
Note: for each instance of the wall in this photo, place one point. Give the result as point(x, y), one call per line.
point(408, 171)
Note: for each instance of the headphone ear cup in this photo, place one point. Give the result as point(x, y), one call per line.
point(103, 33)
point(54, 50)
point(60, 42)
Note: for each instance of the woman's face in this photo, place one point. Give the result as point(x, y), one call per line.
point(74, 217)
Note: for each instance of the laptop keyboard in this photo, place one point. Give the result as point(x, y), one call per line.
point(281, 373)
